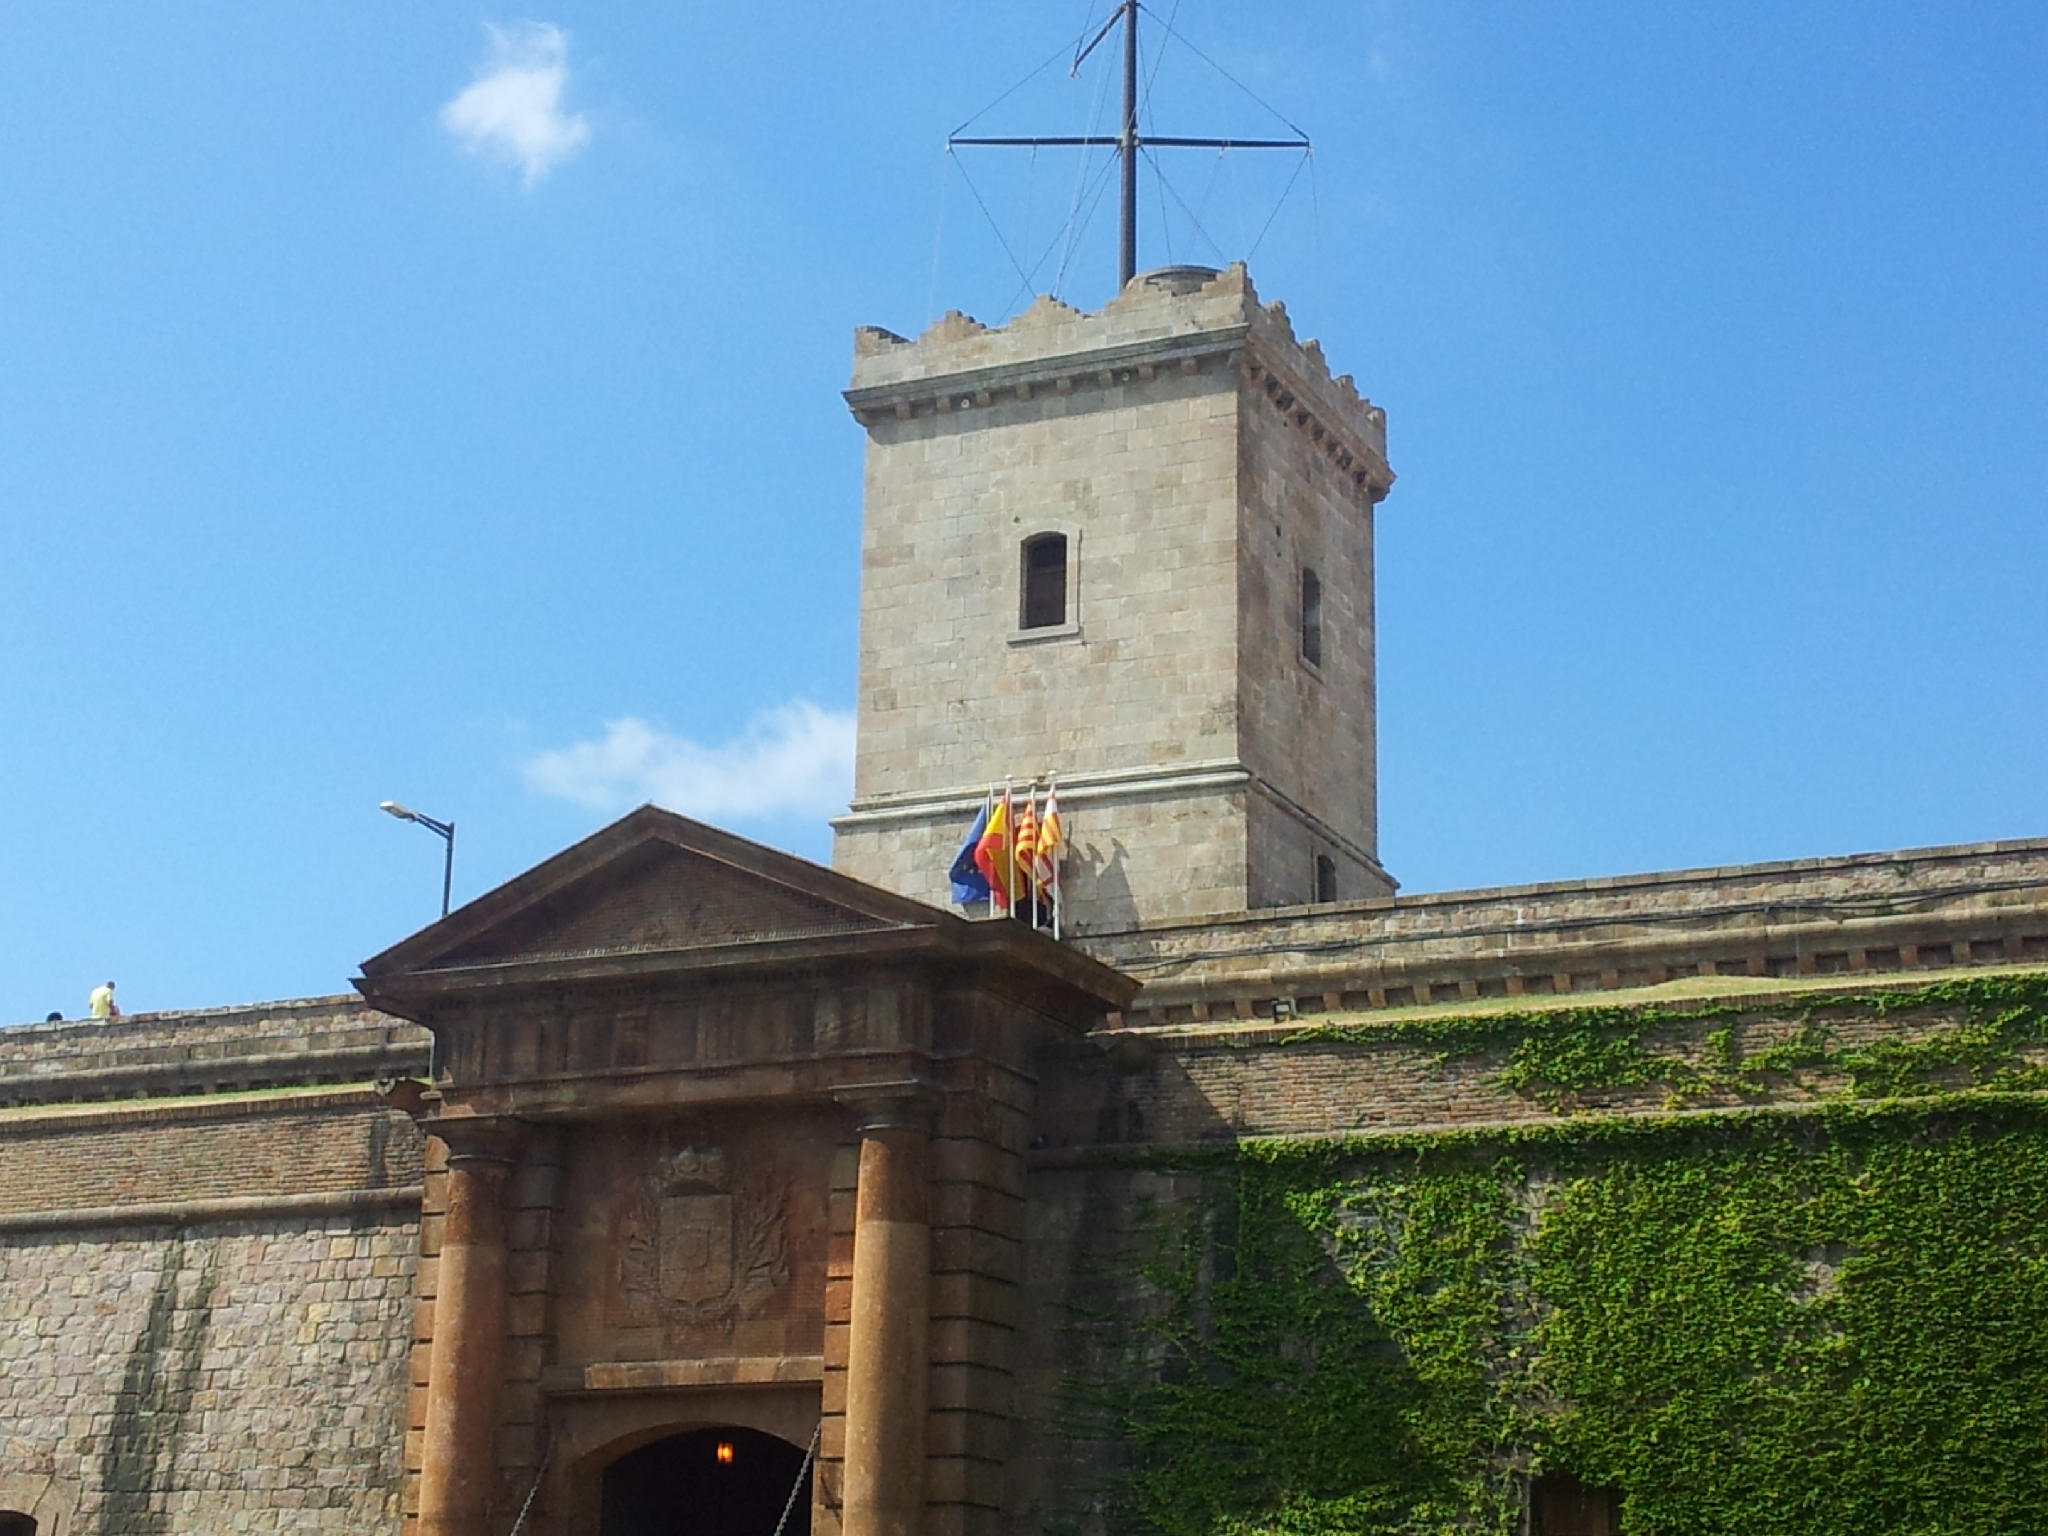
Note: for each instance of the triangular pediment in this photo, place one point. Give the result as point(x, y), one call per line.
point(651, 883)
point(658, 897)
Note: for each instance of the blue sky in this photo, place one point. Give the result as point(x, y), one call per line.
point(439, 403)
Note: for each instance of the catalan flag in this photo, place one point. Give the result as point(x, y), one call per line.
point(1045, 849)
point(1024, 853)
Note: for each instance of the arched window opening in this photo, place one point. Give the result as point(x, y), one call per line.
point(1045, 582)
point(1326, 878)
point(14, 1523)
point(1311, 617)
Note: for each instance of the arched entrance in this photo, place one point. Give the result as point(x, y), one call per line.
point(14, 1523)
point(707, 1482)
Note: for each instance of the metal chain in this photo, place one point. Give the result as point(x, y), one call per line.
point(802, 1472)
point(527, 1508)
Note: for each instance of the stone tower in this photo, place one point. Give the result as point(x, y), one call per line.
point(1132, 550)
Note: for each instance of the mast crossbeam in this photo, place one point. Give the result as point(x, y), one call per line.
point(1128, 143)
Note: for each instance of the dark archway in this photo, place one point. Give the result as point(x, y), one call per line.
point(14, 1523)
point(707, 1482)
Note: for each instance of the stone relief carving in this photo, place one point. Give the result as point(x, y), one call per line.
point(695, 1248)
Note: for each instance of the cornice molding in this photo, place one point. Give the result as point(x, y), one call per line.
point(181, 1213)
point(1063, 373)
point(1075, 788)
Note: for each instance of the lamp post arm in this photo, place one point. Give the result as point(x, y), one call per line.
point(447, 830)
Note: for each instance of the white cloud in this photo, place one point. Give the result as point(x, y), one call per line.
point(795, 759)
point(513, 110)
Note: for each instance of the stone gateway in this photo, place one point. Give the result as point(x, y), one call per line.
point(680, 1185)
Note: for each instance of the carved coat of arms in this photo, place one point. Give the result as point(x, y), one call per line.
point(694, 1249)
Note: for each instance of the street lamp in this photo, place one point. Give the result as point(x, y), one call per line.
point(446, 829)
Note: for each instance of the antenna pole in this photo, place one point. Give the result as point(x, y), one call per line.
point(1127, 242)
point(1127, 141)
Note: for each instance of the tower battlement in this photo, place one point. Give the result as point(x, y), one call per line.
point(1131, 550)
point(1175, 317)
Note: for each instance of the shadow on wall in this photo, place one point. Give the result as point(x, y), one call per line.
point(1070, 1459)
point(139, 1456)
point(1260, 1385)
point(1105, 890)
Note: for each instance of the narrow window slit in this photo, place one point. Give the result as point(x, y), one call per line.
point(1311, 618)
point(1044, 604)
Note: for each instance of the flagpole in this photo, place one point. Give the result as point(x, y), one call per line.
point(1010, 844)
point(1052, 789)
point(988, 809)
point(1031, 870)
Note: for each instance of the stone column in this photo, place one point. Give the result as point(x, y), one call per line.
point(466, 1363)
point(887, 1357)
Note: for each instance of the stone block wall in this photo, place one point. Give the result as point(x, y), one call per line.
point(1195, 457)
point(223, 1376)
point(256, 1045)
point(1284, 842)
point(1923, 909)
point(1308, 730)
point(206, 1296)
point(217, 1307)
point(1178, 847)
point(1141, 476)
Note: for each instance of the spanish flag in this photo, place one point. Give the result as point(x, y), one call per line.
point(992, 853)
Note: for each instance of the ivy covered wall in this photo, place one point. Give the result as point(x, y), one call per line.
point(1827, 1315)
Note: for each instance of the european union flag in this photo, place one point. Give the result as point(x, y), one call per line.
point(968, 884)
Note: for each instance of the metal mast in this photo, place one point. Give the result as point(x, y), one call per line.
point(1127, 224)
point(1127, 142)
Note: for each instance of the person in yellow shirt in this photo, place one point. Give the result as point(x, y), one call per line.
point(102, 1002)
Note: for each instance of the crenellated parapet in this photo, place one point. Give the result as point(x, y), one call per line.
point(1184, 319)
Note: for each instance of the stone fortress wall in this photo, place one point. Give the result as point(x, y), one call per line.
point(1922, 909)
point(209, 1228)
point(211, 1233)
point(257, 1273)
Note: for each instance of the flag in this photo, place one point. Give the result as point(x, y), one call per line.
point(1025, 852)
point(968, 885)
point(1045, 851)
point(992, 853)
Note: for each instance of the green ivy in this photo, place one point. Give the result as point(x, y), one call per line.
point(1981, 1029)
point(1752, 1322)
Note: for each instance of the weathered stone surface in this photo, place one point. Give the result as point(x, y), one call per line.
point(241, 1289)
point(243, 1376)
point(1197, 460)
point(185, 1348)
point(1917, 909)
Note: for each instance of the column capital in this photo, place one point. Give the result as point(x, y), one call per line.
point(480, 1138)
point(903, 1104)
